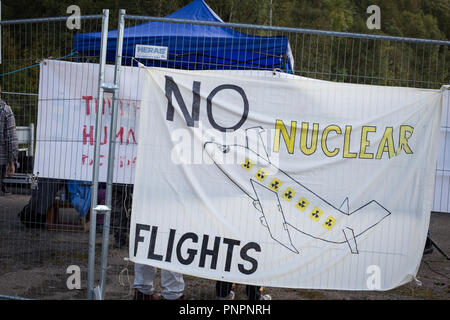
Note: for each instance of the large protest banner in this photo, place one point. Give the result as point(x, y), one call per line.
point(284, 182)
point(67, 116)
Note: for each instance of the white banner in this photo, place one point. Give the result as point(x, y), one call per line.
point(284, 182)
point(67, 116)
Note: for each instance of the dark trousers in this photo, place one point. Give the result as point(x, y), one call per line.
point(120, 213)
point(2, 176)
point(223, 289)
point(42, 197)
point(34, 214)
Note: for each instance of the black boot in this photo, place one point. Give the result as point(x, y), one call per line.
point(428, 246)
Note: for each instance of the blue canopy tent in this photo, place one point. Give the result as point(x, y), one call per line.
point(195, 47)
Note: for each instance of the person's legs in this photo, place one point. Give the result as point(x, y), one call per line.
point(428, 245)
point(42, 198)
point(144, 277)
point(34, 214)
point(172, 284)
point(2, 176)
point(223, 290)
point(120, 204)
point(253, 292)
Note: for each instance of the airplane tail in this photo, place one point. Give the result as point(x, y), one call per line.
point(362, 220)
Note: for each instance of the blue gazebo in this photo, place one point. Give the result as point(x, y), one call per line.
point(193, 46)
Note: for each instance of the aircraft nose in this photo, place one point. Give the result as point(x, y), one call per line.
point(225, 149)
point(213, 148)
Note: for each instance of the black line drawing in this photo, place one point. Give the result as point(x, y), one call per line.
point(299, 209)
point(273, 218)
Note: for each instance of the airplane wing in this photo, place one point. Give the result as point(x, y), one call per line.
point(272, 217)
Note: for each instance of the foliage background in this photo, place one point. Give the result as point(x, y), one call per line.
point(429, 19)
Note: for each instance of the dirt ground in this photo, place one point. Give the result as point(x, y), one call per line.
point(33, 264)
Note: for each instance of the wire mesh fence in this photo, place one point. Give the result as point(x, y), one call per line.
point(41, 232)
point(36, 251)
point(331, 56)
point(334, 56)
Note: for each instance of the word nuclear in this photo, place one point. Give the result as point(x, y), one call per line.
point(311, 136)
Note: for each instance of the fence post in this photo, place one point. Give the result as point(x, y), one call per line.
point(95, 173)
point(114, 88)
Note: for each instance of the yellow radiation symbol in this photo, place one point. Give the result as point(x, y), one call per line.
point(329, 223)
point(261, 174)
point(247, 165)
point(302, 204)
point(288, 194)
point(316, 213)
point(275, 184)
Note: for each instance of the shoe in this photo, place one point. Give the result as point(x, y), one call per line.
point(428, 247)
point(154, 296)
point(265, 297)
point(141, 296)
point(179, 298)
point(146, 297)
point(230, 296)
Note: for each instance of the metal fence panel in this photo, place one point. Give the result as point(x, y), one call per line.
point(335, 56)
point(331, 56)
point(34, 261)
point(36, 251)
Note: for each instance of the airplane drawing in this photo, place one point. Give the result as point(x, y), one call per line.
point(286, 205)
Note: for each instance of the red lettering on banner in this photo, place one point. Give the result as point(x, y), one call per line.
point(88, 100)
point(130, 132)
point(120, 134)
point(129, 106)
point(121, 107)
point(96, 105)
point(89, 135)
point(83, 159)
point(122, 161)
point(109, 107)
point(131, 138)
